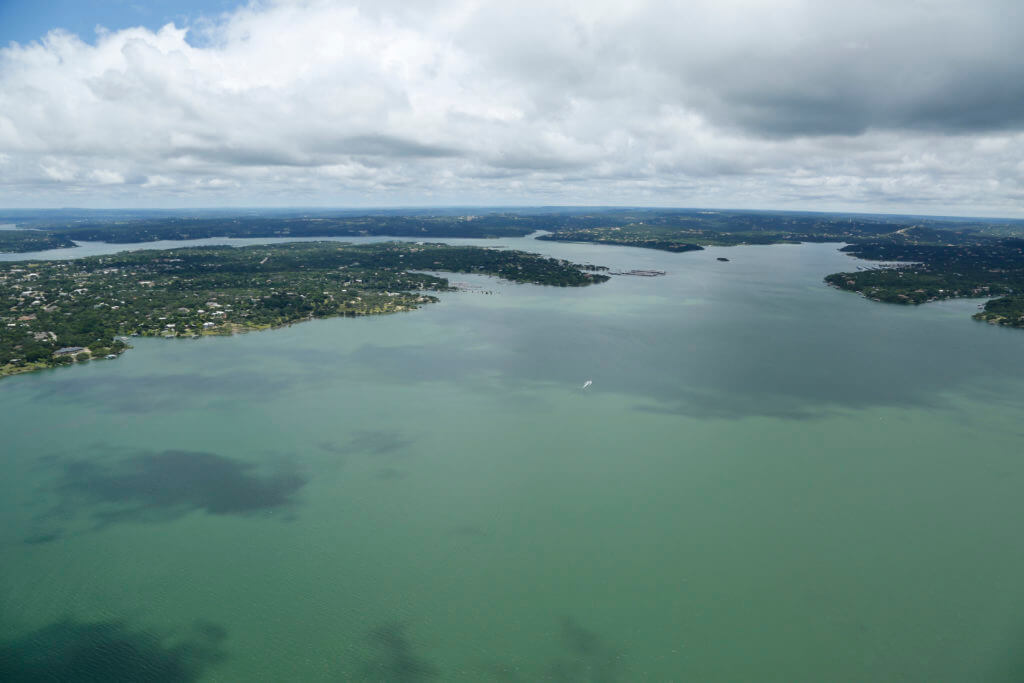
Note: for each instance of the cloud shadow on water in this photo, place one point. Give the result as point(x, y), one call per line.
point(390, 474)
point(108, 651)
point(588, 657)
point(42, 537)
point(384, 445)
point(585, 658)
point(158, 486)
point(394, 658)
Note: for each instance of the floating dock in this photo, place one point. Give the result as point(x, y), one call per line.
point(641, 273)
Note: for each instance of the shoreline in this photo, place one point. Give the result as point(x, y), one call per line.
point(10, 370)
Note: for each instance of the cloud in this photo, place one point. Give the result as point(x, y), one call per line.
point(866, 105)
point(852, 67)
point(157, 181)
point(106, 177)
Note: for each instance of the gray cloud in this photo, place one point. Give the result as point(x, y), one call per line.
point(915, 106)
point(387, 146)
point(932, 66)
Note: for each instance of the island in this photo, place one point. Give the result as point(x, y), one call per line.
point(61, 312)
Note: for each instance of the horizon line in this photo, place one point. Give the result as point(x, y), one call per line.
point(492, 207)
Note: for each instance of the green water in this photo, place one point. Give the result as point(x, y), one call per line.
point(769, 480)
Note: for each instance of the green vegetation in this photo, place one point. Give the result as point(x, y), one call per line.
point(1006, 310)
point(988, 268)
point(629, 236)
point(190, 228)
point(58, 312)
point(667, 229)
point(31, 240)
point(693, 230)
point(942, 257)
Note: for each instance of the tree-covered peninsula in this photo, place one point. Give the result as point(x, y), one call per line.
point(20, 241)
point(930, 272)
point(58, 312)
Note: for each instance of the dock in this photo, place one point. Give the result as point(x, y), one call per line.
point(641, 273)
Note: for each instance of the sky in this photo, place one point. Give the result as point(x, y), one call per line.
point(914, 106)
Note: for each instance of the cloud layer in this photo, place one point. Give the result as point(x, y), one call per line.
point(738, 103)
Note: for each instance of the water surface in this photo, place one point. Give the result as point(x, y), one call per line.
point(768, 480)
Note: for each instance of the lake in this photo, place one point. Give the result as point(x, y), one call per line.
point(768, 480)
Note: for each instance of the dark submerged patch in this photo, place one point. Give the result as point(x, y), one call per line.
point(108, 651)
point(376, 442)
point(390, 474)
point(588, 656)
point(44, 537)
point(394, 657)
point(170, 483)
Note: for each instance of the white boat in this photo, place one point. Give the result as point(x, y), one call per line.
point(587, 383)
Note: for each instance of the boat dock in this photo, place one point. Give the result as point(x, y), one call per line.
point(641, 273)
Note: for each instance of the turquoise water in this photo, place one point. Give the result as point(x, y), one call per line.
point(769, 480)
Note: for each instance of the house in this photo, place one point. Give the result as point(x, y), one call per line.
point(68, 350)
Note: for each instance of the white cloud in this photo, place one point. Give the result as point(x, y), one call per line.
point(157, 181)
point(104, 176)
point(61, 170)
point(727, 103)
